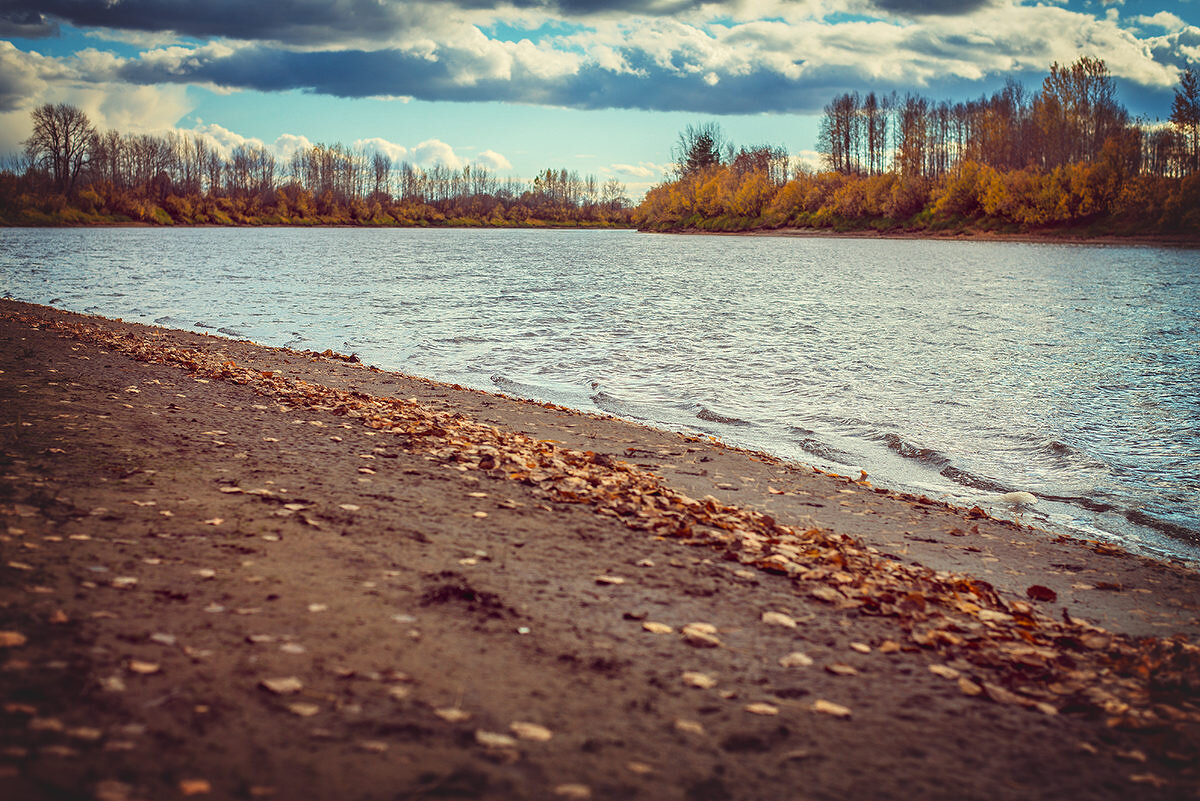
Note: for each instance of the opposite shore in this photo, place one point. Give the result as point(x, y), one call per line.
point(240, 571)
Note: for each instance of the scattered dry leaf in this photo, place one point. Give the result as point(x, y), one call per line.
point(945, 671)
point(283, 686)
point(12, 639)
point(760, 708)
point(830, 708)
point(530, 731)
point(453, 714)
point(701, 681)
point(795, 659)
point(779, 619)
point(491, 739)
point(194, 787)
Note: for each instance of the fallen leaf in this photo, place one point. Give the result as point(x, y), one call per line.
point(491, 739)
point(640, 768)
point(827, 594)
point(861, 647)
point(609, 580)
point(530, 731)
point(688, 726)
point(374, 746)
point(760, 708)
point(194, 787)
point(830, 708)
point(657, 628)
point(283, 686)
point(945, 671)
point(349, 507)
point(303, 710)
point(453, 714)
point(1039, 593)
point(779, 619)
point(839, 669)
point(701, 681)
point(1001, 695)
point(795, 659)
point(12, 639)
point(889, 647)
point(144, 668)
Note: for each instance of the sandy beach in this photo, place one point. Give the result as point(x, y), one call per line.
point(234, 571)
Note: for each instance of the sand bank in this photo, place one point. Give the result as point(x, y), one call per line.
point(239, 571)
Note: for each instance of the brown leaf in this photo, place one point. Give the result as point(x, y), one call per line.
point(12, 639)
point(283, 686)
point(530, 731)
point(779, 619)
point(830, 708)
point(194, 787)
point(1039, 593)
point(702, 681)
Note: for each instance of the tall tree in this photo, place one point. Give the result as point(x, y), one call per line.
point(699, 148)
point(61, 142)
point(1185, 116)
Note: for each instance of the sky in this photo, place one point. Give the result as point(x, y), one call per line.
point(599, 86)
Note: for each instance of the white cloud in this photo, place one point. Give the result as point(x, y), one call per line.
point(376, 145)
point(493, 160)
point(435, 151)
point(643, 169)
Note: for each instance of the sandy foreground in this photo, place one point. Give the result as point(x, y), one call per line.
point(232, 571)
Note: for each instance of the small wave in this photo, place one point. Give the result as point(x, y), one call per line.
point(614, 405)
point(967, 479)
point(202, 325)
point(510, 387)
point(713, 417)
point(166, 318)
point(911, 450)
point(824, 451)
point(230, 332)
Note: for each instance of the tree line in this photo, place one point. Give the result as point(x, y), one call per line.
point(71, 173)
point(1068, 155)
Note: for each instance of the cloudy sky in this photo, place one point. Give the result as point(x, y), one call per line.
point(599, 86)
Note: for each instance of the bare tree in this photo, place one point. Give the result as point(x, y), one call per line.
point(61, 142)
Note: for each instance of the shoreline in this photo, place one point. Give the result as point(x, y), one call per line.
point(1042, 238)
point(462, 587)
point(1140, 240)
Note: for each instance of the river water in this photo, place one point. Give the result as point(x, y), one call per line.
point(963, 370)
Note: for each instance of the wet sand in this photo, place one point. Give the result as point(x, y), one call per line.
point(232, 571)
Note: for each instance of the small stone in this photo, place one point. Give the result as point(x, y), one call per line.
point(575, 792)
point(530, 731)
point(283, 686)
point(657, 628)
point(303, 710)
point(491, 739)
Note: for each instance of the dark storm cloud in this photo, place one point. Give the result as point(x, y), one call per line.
point(25, 23)
point(923, 8)
point(292, 21)
point(298, 22)
point(356, 73)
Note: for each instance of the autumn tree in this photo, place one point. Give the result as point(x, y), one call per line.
point(61, 142)
point(699, 148)
point(1185, 116)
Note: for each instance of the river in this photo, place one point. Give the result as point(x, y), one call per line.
point(962, 370)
